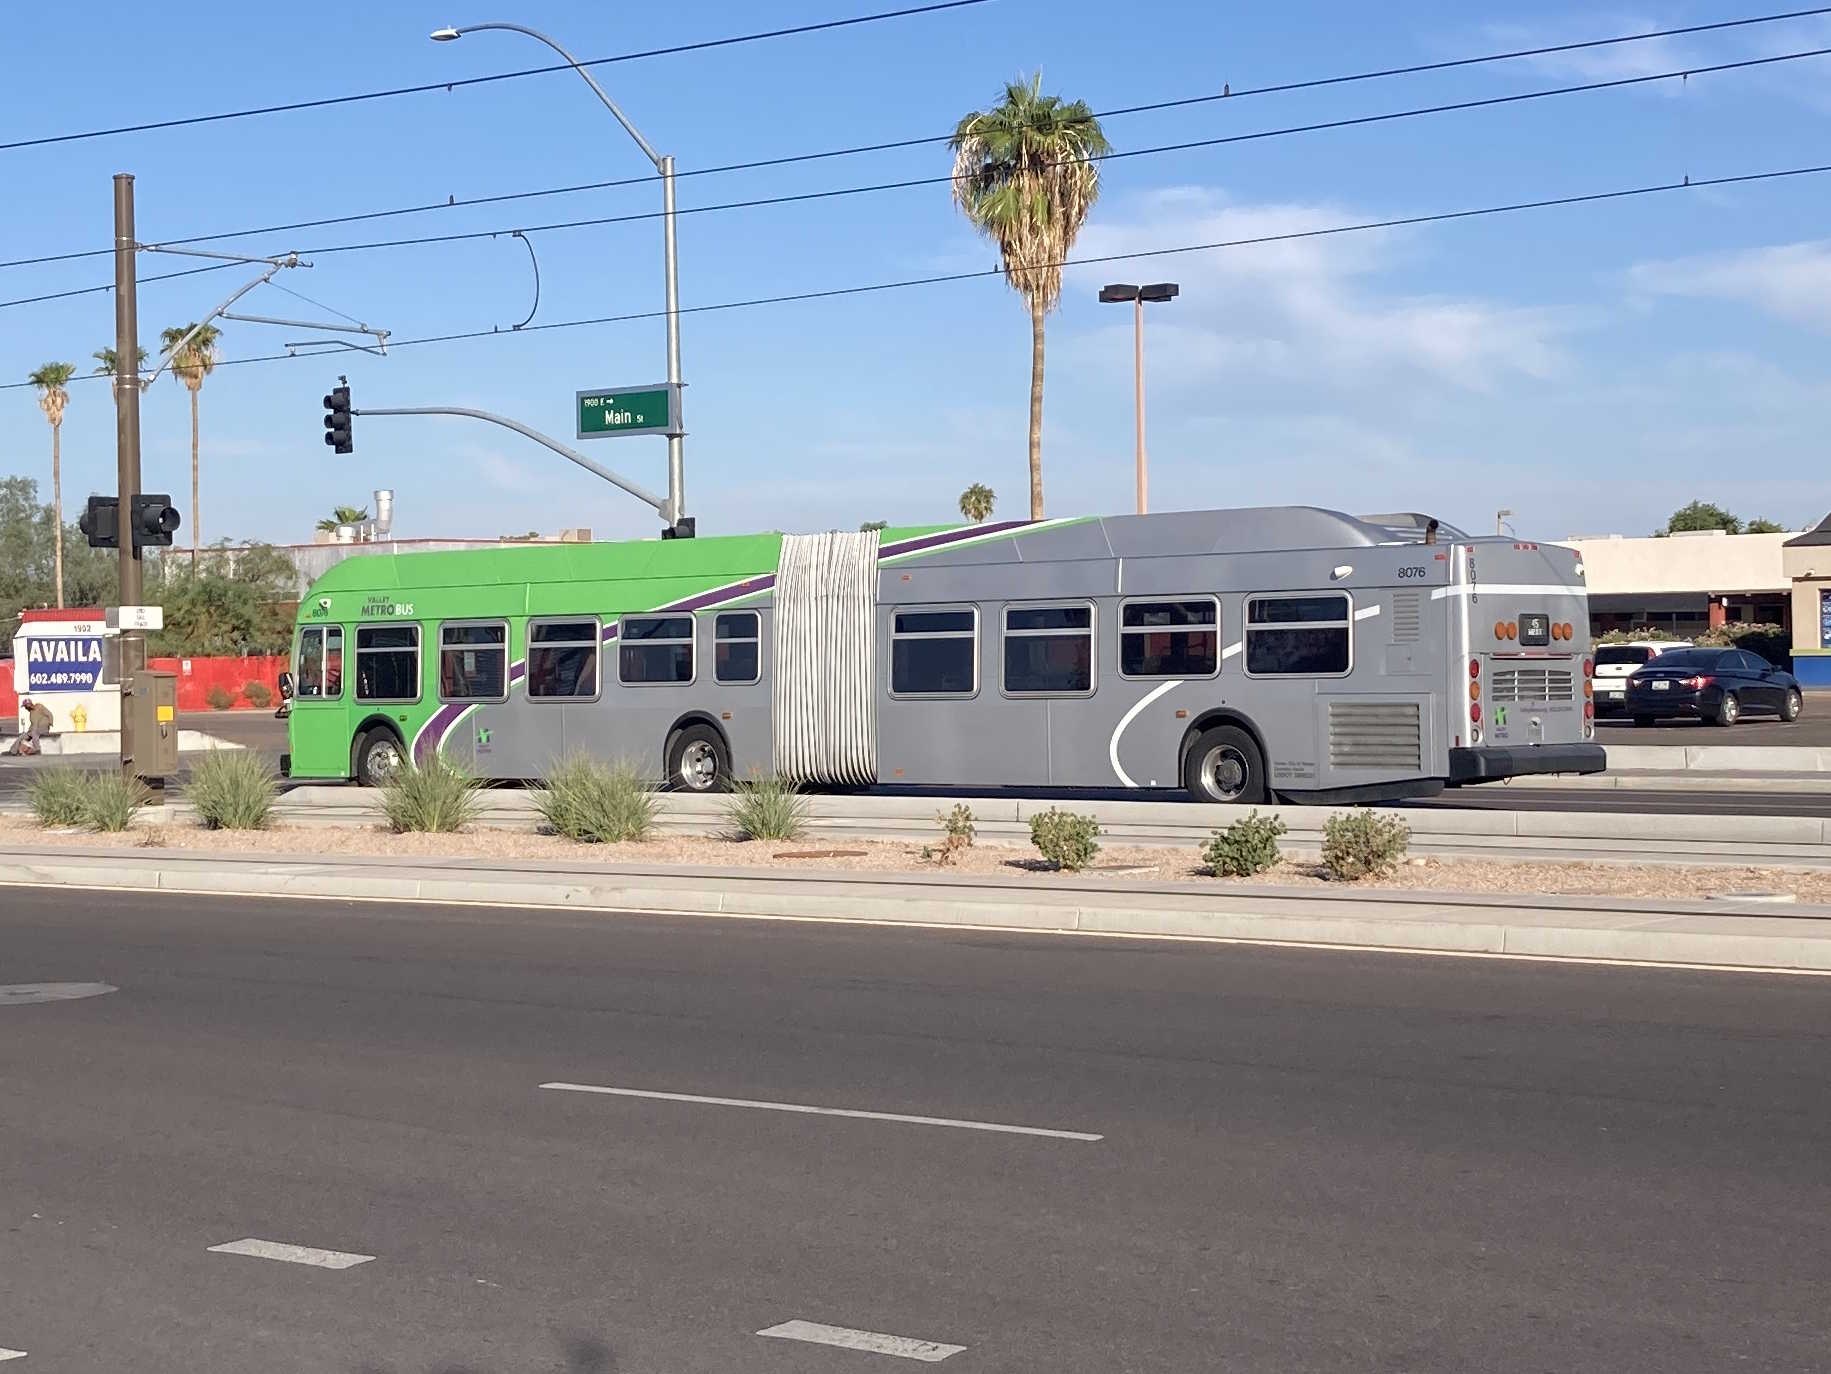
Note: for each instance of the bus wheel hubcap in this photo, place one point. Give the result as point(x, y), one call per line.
point(384, 762)
point(699, 765)
point(1224, 772)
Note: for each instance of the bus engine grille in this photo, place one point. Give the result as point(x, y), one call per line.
point(1375, 734)
point(1531, 684)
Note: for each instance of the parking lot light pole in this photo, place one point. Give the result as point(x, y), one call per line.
point(1118, 293)
point(665, 166)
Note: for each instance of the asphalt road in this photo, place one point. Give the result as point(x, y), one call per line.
point(1307, 1161)
point(1811, 731)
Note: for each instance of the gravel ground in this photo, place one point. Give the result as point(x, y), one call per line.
point(1115, 863)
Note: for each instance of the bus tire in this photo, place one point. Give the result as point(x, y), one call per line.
point(379, 757)
point(698, 760)
point(1225, 765)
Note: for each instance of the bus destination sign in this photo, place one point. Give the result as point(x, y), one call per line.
point(653, 409)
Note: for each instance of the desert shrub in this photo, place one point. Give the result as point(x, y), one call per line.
point(259, 695)
point(1244, 848)
point(438, 797)
point(233, 789)
point(219, 698)
point(767, 808)
point(57, 796)
point(594, 802)
point(957, 833)
point(1363, 844)
point(1065, 839)
point(110, 800)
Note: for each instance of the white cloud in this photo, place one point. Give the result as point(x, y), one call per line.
point(1644, 57)
point(1791, 280)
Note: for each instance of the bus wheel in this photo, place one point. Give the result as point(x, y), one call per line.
point(698, 761)
point(379, 758)
point(1225, 766)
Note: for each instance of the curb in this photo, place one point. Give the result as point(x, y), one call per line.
point(1717, 935)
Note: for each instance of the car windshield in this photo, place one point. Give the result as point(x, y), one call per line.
point(1622, 653)
point(1689, 658)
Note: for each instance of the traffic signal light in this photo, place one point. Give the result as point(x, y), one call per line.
point(337, 420)
point(153, 520)
point(100, 522)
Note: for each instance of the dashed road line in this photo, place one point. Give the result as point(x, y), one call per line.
point(11, 1355)
point(875, 1342)
point(291, 1254)
point(825, 1111)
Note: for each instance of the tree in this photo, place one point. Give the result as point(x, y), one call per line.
point(871, 525)
point(343, 515)
point(976, 502)
point(107, 360)
point(236, 602)
point(28, 541)
point(51, 379)
point(1025, 174)
point(1762, 525)
point(190, 365)
point(1702, 515)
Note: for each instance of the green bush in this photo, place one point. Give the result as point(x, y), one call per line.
point(110, 800)
point(259, 694)
point(957, 833)
point(1244, 848)
point(438, 797)
point(768, 808)
point(58, 796)
point(1769, 642)
point(233, 789)
point(1065, 839)
point(594, 802)
point(219, 698)
point(1363, 844)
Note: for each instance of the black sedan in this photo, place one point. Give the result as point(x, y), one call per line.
point(1720, 685)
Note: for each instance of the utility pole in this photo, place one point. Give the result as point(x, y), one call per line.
point(127, 448)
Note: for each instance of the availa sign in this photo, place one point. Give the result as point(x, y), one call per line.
point(62, 663)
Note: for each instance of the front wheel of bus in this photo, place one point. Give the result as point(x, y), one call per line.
point(379, 758)
point(698, 761)
point(1225, 766)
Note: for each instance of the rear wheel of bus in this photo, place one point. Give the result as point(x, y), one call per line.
point(698, 760)
point(1225, 765)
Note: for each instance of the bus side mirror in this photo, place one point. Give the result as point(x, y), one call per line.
point(286, 686)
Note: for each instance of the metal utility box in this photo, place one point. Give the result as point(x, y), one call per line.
point(152, 700)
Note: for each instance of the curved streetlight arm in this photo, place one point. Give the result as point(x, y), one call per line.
point(663, 507)
point(577, 66)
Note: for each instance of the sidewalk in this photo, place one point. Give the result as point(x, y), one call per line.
point(1734, 935)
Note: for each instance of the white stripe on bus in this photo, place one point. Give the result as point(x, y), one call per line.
point(1112, 745)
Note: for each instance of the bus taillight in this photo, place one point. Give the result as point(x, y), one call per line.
point(1474, 667)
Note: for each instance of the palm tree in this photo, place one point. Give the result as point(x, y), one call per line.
point(190, 365)
point(106, 361)
point(976, 502)
point(1025, 174)
point(343, 515)
point(52, 398)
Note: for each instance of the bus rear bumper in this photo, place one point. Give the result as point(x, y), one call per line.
point(1491, 765)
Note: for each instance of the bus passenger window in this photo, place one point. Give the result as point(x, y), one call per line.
point(473, 662)
point(1170, 638)
point(1299, 636)
point(934, 653)
point(737, 647)
point(1048, 650)
point(387, 663)
point(656, 649)
point(562, 660)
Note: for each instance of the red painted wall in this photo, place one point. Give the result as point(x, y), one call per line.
point(231, 674)
point(9, 699)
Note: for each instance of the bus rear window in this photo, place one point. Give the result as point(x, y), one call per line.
point(1299, 636)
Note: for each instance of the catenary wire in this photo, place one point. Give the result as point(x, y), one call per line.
point(453, 203)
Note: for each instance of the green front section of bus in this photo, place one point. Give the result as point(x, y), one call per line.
point(512, 583)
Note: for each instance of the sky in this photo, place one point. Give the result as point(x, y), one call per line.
point(1589, 368)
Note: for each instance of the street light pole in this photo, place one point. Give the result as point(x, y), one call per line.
point(1138, 295)
point(665, 167)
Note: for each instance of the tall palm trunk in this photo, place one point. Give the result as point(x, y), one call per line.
point(196, 509)
point(57, 506)
point(1036, 407)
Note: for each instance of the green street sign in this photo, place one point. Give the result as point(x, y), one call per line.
point(653, 409)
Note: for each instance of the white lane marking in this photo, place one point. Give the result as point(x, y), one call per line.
point(929, 1352)
point(1366, 612)
point(1504, 589)
point(291, 1254)
point(823, 1111)
point(12, 1354)
point(1112, 745)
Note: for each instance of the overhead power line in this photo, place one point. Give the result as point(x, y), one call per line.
point(109, 286)
point(1312, 83)
point(908, 283)
point(1460, 106)
point(325, 102)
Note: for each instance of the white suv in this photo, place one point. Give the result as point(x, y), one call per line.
point(1615, 662)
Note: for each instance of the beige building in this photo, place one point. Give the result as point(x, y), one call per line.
point(1686, 583)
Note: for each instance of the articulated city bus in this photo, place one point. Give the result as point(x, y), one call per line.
point(1240, 655)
